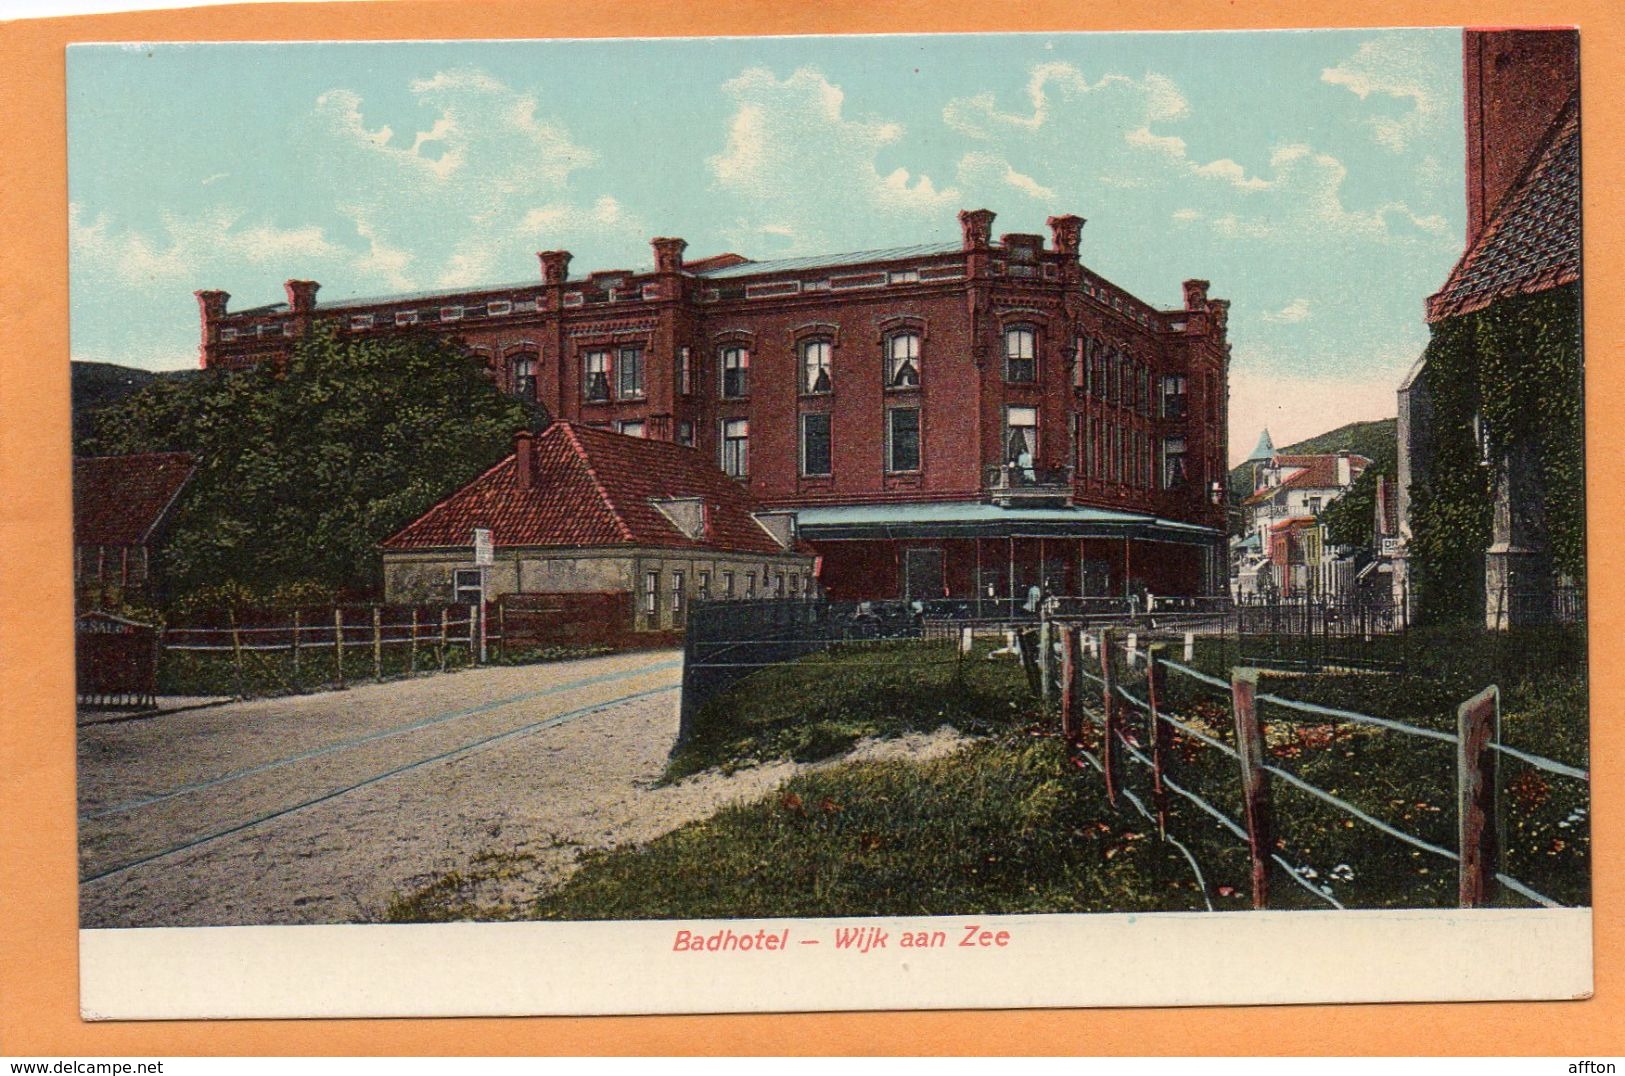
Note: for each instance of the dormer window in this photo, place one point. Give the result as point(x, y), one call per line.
point(815, 377)
point(451, 313)
point(498, 307)
point(903, 361)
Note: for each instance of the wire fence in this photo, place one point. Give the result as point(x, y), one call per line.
point(1127, 706)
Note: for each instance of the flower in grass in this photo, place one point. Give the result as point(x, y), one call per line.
point(1306, 871)
point(829, 806)
point(1529, 790)
point(1227, 891)
point(1342, 873)
point(791, 802)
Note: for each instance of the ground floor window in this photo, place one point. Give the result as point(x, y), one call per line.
point(651, 594)
point(703, 586)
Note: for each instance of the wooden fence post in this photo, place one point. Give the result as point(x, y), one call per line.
point(1255, 788)
point(412, 649)
point(1029, 660)
point(1069, 684)
point(1110, 715)
point(377, 646)
point(440, 647)
point(502, 631)
point(1477, 722)
point(1046, 660)
point(296, 681)
point(338, 642)
point(475, 634)
point(236, 652)
point(1156, 692)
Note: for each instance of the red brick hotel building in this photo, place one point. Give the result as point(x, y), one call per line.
point(952, 420)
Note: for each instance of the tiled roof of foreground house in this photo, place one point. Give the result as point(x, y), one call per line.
point(1533, 241)
point(120, 500)
point(1314, 472)
point(592, 487)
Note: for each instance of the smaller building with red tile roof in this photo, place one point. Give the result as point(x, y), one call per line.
point(121, 505)
point(1290, 492)
point(581, 510)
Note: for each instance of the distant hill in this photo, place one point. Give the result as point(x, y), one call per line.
point(96, 385)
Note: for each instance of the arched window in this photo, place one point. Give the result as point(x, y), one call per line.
point(1020, 353)
point(903, 361)
point(815, 377)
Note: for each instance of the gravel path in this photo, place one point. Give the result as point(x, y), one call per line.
point(323, 808)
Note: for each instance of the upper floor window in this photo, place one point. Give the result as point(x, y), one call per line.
point(1080, 365)
point(596, 384)
point(524, 377)
point(1020, 354)
point(631, 373)
point(903, 361)
point(735, 372)
point(736, 447)
point(903, 439)
point(1097, 372)
point(633, 428)
point(815, 366)
point(1173, 396)
point(1144, 396)
point(815, 454)
point(1021, 438)
point(685, 371)
point(685, 434)
point(1173, 463)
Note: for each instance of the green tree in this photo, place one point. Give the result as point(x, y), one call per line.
point(301, 475)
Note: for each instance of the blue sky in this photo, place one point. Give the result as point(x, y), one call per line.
point(1314, 177)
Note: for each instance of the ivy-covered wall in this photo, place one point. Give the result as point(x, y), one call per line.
point(1518, 365)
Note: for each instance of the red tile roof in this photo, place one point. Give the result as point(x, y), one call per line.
point(591, 487)
point(120, 500)
point(1315, 472)
point(1532, 243)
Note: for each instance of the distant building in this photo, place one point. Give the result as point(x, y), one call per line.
point(950, 420)
point(122, 506)
point(1284, 552)
point(1523, 240)
point(647, 527)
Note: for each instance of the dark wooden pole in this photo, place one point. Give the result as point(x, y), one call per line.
point(1111, 716)
point(236, 652)
point(377, 645)
point(1069, 683)
point(296, 681)
point(1255, 786)
point(1156, 692)
point(338, 643)
point(1476, 721)
point(412, 650)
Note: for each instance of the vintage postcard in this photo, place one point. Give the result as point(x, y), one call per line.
point(812, 523)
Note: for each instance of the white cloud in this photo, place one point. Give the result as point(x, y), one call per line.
point(794, 154)
point(978, 167)
point(1396, 66)
point(187, 247)
point(1295, 311)
point(449, 204)
point(1057, 84)
point(1186, 216)
point(1173, 148)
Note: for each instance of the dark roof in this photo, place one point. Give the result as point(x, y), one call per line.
point(1532, 243)
point(592, 487)
point(120, 500)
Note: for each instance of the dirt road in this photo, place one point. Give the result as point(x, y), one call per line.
point(325, 808)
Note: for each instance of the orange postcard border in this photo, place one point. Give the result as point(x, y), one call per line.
point(38, 895)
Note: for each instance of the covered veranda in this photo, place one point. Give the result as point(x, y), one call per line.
point(983, 553)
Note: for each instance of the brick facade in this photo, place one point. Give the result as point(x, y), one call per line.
point(984, 370)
